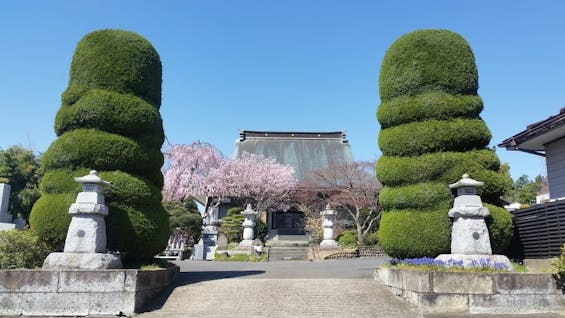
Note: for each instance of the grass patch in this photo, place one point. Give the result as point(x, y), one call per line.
point(225, 257)
point(152, 264)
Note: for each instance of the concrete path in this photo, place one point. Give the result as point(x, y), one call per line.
point(343, 288)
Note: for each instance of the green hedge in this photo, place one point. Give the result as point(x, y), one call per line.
point(501, 229)
point(100, 150)
point(428, 60)
point(130, 190)
point(397, 171)
point(418, 138)
point(410, 234)
point(416, 196)
point(137, 232)
point(118, 61)
point(111, 112)
point(59, 181)
point(21, 249)
point(428, 106)
point(49, 218)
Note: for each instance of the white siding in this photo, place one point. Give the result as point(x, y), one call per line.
point(555, 161)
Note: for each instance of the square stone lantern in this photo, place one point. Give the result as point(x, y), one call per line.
point(328, 216)
point(470, 240)
point(85, 245)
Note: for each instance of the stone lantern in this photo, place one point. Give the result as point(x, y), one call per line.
point(248, 224)
point(85, 245)
point(470, 241)
point(328, 216)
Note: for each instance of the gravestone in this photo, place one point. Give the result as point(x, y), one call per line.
point(222, 242)
point(5, 216)
point(85, 245)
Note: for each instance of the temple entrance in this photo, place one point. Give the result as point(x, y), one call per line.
point(288, 223)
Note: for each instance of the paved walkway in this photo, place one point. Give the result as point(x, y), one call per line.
point(342, 288)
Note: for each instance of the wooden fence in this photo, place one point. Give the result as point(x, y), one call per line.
point(540, 229)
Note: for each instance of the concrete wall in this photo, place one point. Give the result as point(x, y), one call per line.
point(80, 292)
point(475, 293)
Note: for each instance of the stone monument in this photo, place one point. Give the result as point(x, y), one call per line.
point(248, 224)
point(328, 216)
point(206, 247)
point(5, 216)
point(470, 241)
point(85, 246)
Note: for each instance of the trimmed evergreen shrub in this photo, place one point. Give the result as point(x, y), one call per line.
point(428, 60)
point(21, 249)
point(347, 239)
point(109, 121)
point(431, 135)
point(415, 196)
point(428, 106)
point(418, 138)
point(500, 228)
point(118, 61)
point(415, 233)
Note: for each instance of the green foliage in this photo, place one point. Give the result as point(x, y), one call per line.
point(431, 135)
point(101, 151)
point(20, 169)
point(232, 224)
point(416, 196)
point(410, 233)
point(21, 249)
point(418, 138)
point(371, 239)
point(138, 232)
point(261, 230)
point(111, 112)
point(184, 216)
point(559, 265)
point(428, 60)
point(347, 239)
point(428, 106)
point(525, 190)
point(500, 228)
point(50, 218)
point(109, 121)
point(118, 61)
point(225, 257)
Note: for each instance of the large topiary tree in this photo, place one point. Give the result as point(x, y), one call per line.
point(109, 121)
point(431, 134)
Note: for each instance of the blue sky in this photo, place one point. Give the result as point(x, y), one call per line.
point(294, 65)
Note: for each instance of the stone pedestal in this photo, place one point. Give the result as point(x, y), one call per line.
point(328, 216)
point(248, 224)
point(85, 245)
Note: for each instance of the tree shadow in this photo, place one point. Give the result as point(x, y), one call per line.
point(185, 278)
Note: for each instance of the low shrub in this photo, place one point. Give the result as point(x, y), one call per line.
point(410, 233)
point(347, 239)
point(21, 249)
point(50, 218)
point(371, 239)
point(427, 106)
point(418, 138)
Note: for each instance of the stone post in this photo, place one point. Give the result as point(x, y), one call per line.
point(328, 216)
point(5, 216)
point(85, 245)
point(470, 239)
point(248, 224)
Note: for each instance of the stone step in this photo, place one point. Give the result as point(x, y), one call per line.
point(288, 253)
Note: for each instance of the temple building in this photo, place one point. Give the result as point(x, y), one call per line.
point(306, 152)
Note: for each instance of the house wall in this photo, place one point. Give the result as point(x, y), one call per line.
point(555, 161)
